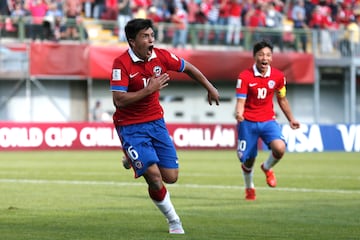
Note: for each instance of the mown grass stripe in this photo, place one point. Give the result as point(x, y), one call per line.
point(112, 183)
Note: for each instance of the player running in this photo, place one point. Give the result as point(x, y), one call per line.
point(254, 112)
point(138, 75)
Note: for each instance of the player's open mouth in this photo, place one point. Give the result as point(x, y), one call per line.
point(150, 50)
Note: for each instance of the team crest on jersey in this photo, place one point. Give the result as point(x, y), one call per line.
point(271, 84)
point(157, 71)
point(138, 164)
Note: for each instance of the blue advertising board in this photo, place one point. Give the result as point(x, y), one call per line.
point(319, 138)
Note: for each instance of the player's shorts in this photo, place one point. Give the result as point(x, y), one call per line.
point(146, 144)
point(249, 134)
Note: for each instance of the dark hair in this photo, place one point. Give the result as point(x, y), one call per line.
point(262, 44)
point(134, 26)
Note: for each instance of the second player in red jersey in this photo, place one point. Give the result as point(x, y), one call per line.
point(259, 90)
point(255, 89)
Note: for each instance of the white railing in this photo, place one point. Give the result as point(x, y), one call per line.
point(321, 43)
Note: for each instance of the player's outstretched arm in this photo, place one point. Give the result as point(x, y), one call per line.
point(194, 73)
point(285, 107)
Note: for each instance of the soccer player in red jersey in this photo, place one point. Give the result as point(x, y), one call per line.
point(138, 75)
point(255, 115)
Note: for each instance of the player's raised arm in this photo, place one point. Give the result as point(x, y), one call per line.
point(194, 73)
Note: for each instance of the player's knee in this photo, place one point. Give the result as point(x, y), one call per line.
point(169, 175)
point(170, 179)
point(278, 149)
point(249, 163)
point(278, 153)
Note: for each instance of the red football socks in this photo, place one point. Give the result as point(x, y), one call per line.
point(158, 195)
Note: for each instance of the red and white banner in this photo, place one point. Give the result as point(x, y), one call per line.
point(101, 136)
point(83, 135)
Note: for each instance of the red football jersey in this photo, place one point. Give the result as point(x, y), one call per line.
point(130, 74)
point(259, 92)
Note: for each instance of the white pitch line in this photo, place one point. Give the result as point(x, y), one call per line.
point(112, 183)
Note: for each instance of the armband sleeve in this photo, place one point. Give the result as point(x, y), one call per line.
point(282, 92)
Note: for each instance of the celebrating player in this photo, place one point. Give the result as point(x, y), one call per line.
point(138, 75)
point(254, 112)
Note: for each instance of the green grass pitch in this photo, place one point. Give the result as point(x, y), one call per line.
point(85, 195)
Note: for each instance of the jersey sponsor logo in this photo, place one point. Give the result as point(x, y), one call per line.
point(157, 71)
point(116, 74)
point(271, 84)
point(132, 75)
point(252, 84)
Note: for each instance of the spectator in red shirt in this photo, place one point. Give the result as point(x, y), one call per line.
point(256, 18)
point(345, 14)
point(140, 8)
point(234, 23)
point(322, 21)
point(211, 11)
point(37, 9)
point(316, 20)
point(179, 19)
point(223, 18)
point(192, 10)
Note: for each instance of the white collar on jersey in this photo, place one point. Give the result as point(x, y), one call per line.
point(258, 74)
point(136, 59)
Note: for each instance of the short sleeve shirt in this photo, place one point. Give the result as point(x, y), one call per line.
point(131, 74)
point(259, 91)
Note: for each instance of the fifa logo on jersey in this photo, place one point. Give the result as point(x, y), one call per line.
point(271, 84)
point(238, 83)
point(116, 74)
point(157, 71)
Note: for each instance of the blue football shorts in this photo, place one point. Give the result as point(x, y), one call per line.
point(146, 144)
point(249, 134)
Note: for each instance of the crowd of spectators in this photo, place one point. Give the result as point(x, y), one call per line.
point(58, 19)
point(44, 19)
